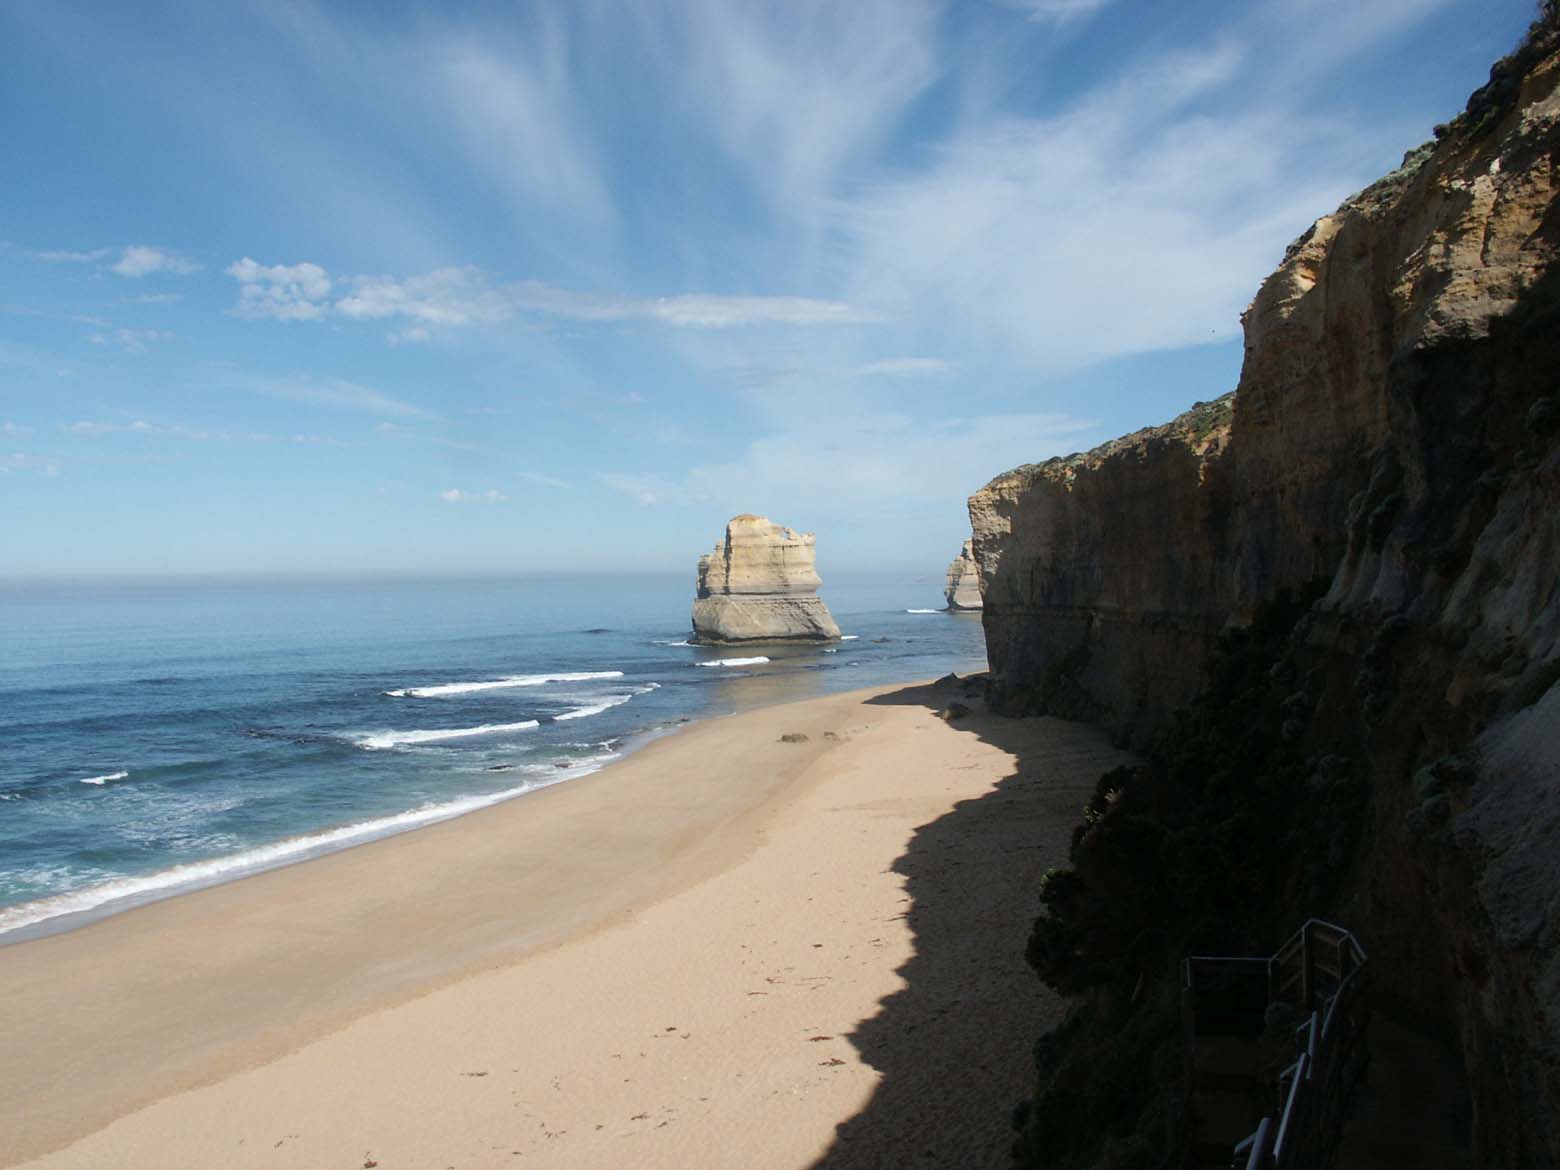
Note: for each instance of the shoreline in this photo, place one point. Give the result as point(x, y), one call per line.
point(316, 844)
point(166, 1006)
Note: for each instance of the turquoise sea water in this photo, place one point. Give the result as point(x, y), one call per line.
point(156, 737)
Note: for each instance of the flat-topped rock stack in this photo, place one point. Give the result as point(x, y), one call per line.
point(760, 584)
point(963, 590)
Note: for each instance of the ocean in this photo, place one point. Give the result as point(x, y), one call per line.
point(157, 737)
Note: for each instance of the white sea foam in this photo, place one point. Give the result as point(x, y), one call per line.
point(606, 703)
point(669, 642)
point(101, 780)
point(920, 611)
point(849, 637)
point(379, 740)
point(732, 662)
point(146, 888)
point(499, 684)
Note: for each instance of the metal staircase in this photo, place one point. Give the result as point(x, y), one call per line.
point(1273, 1048)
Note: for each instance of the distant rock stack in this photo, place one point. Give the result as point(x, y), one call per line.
point(761, 585)
point(963, 590)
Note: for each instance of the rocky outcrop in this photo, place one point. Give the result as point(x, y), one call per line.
point(1392, 445)
point(963, 591)
point(760, 584)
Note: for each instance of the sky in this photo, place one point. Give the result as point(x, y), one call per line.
point(362, 288)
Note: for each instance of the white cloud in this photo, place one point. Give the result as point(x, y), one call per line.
point(89, 427)
point(332, 392)
point(465, 297)
point(63, 257)
point(1058, 11)
point(795, 93)
point(1124, 224)
point(866, 464)
point(650, 489)
point(143, 428)
point(162, 298)
point(132, 340)
point(143, 259)
point(860, 467)
point(286, 292)
point(448, 296)
point(457, 496)
point(540, 480)
point(20, 462)
point(907, 367)
point(11, 428)
point(413, 336)
point(514, 108)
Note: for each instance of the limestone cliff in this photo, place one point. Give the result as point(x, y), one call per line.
point(760, 584)
point(1392, 440)
point(963, 591)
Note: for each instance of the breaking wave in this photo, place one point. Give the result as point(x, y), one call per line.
point(379, 740)
point(732, 662)
point(202, 873)
point(104, 779)
point(498, 684)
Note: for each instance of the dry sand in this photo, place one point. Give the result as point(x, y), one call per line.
point(724, 951)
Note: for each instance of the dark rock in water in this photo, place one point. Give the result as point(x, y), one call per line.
point(499, 768)
point(880, 641)
point(598, 630)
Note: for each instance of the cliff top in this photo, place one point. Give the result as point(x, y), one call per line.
point(1205, 428)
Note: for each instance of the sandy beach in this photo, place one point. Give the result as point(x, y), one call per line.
point(729, 949)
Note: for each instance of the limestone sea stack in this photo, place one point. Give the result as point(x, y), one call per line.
point(760, 584)
point(963, 590)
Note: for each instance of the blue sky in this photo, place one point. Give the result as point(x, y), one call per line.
point(363, 287)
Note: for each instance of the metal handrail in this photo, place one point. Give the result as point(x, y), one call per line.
point(1258, 1143)
point(1297, 1078)
point(1266, 1148)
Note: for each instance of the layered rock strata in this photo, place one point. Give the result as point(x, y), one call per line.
point(760, 584)
point(963, 590)
point(1393, 443)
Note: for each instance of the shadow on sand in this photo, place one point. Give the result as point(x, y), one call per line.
point(953, 1048)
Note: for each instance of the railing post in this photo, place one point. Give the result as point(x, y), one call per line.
point(1305, 967)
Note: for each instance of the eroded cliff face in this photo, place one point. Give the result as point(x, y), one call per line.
point(963, 589)
point(760, 584)
point(1394, 437)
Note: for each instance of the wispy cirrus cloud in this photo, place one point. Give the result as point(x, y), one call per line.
point(61, 256)
point(649, 489)
point(861, 465)
point(11, 428)
point(515, 109)
point(334, 393)
point(908, 367)
point(130, 340)
point(464, 296)
point(196, 434)
point(135, 260)
point(1057, 11)
point(541, 480)
point(458, 496)
point(20, 462)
